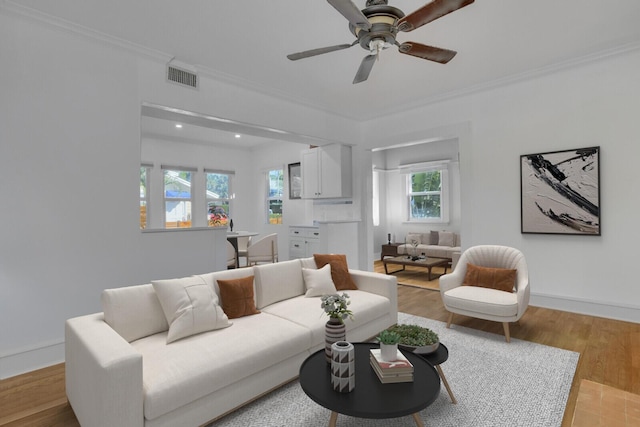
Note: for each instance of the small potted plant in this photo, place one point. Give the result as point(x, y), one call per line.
point(416, 338)
point(388, 345)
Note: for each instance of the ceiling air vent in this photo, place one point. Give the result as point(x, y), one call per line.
point(182, 76)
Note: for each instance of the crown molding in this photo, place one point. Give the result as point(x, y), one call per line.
point(517, 78)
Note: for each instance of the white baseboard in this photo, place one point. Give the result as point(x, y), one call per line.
point(27, 360)
point(609, 310)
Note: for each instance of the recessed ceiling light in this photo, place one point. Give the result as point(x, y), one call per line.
point(179, 126)
point(237, 135)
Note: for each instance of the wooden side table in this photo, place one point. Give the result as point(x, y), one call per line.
point(389, 249)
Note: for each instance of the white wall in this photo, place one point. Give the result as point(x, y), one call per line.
point(70, 139)
point(594, 104)
point(70, 153)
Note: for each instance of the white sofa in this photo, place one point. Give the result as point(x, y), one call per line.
point(120, 371)
point(437, 244)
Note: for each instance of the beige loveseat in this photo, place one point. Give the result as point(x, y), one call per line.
point(437, 244)
point(120, 370)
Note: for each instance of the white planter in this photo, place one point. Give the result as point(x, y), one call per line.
point(389, 352)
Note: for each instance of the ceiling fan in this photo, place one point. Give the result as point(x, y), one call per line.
point(377, 25)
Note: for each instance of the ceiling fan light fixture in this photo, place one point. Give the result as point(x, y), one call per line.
point(378, 45)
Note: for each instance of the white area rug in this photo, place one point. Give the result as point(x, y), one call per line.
point(496, 384)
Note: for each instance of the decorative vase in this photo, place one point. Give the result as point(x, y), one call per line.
point(334, 331)
point(389, 352)
point(343, 368)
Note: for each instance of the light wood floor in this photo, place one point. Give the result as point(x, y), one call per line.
point(609, 355)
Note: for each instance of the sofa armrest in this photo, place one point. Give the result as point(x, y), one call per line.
point(380, 284)
point(103, 374)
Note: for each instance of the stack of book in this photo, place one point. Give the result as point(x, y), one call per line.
point(398, 371)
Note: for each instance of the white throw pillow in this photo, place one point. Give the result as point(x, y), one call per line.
point(190, 306)
point(318, 282)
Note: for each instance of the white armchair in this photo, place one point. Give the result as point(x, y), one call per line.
point(485, 303)
point(264, 250)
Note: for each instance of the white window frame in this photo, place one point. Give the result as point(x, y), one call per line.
point(192, 170)
point(269, 198)
point(208, 195)
point(146, 199)
point(444, 193)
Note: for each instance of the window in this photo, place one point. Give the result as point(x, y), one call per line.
point(177, 197)
point(428, 192)
point(275, 190)
point(144, 195)
point(218, 197)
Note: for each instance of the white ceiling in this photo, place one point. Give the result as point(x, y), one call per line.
point(246, 42)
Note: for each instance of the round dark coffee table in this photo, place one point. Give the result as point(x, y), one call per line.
point(439, 356)
point(370, 398)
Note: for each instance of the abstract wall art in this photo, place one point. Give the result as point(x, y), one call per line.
point(560, 192)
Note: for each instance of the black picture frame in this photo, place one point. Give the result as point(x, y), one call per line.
point(560, 192)
point(295, 181)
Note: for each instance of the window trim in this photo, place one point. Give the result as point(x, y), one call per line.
point(443, 167)
point(207, 199)
point(190, 199)
point(269, 198)
point(147, 192)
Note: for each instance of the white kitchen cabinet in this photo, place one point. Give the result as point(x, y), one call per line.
point(332, 237)
point(303, 242)
point(326, 172)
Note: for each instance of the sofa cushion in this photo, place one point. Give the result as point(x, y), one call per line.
point(211, 279)
point(414, 237)
point(446, 238)
point(482, 300)
point(318, 281)
point(181, 373)
point(339, 270)
point(237, 297)
point(501, 279)
point(434, 237)
point(308, 312)
point(133, 312)
point(278, 281)
point(190, 307)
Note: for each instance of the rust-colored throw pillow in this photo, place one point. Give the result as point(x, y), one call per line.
point(502, 279)
point(237, 297)
point(339, 270)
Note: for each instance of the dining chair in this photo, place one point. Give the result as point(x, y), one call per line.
point(243, 244)
point(231, 255)
point(263, 250)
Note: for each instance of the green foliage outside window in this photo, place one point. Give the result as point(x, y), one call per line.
point(425, 196)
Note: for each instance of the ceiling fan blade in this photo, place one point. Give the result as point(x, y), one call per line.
point(365, 68)
point(427, 52)
point(319, 51)
point(430, 12)
point(351, 12)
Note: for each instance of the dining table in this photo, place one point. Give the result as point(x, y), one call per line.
point(232, 237)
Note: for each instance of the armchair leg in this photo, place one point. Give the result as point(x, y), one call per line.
point(449, 320)
point(507, 336)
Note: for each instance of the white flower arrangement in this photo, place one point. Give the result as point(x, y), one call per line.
point(335, 306)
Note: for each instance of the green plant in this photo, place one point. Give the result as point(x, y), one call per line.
point(335, 306)
point(415, 335)
point(388, 337)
